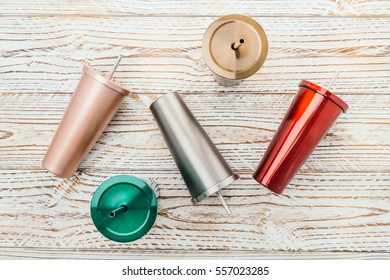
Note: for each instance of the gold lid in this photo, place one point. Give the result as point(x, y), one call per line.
point(235, 46)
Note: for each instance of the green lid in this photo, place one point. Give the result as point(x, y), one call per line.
point(124, 208)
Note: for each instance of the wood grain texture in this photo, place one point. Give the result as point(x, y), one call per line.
point(319, 212)
point(336, 207)
point(120, 254)
point(164, 54)
point(197, 8)
point(358, 142)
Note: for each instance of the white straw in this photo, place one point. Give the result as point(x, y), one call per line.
point(333, 79)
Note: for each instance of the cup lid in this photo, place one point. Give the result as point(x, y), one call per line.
point(124, 208)
point(101, 78)
point(218, 50)
point(326, 93)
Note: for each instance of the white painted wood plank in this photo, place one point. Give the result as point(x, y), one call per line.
point(323, 212)
point(164, 54)
point(196, 8)
point(241, 126)
point(336, 206)
point(74, 253)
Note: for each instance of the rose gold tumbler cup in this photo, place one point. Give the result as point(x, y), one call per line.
point(96, 100)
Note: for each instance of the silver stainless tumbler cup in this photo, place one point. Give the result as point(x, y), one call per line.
point(203, 168)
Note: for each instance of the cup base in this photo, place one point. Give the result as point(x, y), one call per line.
point(267, 186)
point(225, 82)
point(56, 171)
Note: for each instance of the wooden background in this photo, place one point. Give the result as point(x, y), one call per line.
point(337, 206)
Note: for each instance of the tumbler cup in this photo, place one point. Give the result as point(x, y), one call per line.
point(124, 207)
point(203, 168)
point(310, 116)
point(234, 47)
point(96, 100)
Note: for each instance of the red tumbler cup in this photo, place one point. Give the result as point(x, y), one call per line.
point(310, 116)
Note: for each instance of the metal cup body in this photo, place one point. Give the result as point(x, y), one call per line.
point(92, 106)
point(202, 167)
point(310, 116)
point(225, 81)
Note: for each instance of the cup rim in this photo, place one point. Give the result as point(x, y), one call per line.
point(326, 93)
point(101, 78)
